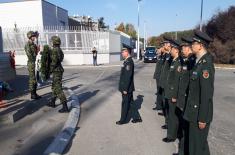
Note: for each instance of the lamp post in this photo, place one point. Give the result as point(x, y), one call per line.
point(201, 15)
point(144, 35)
point(138, 39)
point(176, 32)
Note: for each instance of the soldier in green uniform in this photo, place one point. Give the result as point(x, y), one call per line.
point(171, 92)
point(57, 70)
point(199, 107)
point(167, 59)
point(156, 76)
point(187, 63)
point(31, 52)
point(126, 87)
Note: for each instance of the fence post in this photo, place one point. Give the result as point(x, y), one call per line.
point(66, 40)
point(1, 41)
point(75, 39)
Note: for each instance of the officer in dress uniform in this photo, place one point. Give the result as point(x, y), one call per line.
point(163, 76)
point(199, 107)
point(187, 63)
point(126, 87)
point(156, 76)
point(171, 92)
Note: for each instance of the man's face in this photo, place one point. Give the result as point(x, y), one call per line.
point(196, 47)
point(167, 46)
point(125, 54)
point(186, 50)
point(33, 38)
point(174, 52)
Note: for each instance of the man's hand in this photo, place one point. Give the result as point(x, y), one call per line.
point(201, 125)
point(173, 100)
point(124, 92)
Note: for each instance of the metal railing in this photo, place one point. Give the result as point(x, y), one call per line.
point(73, 39)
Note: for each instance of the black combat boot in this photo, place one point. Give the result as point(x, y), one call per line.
point(52, 102)
point(65, 108)
point(35, 96)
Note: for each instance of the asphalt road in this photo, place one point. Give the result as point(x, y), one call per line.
point(97, 133)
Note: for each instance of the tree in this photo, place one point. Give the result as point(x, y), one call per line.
point(101, 23)
point(121, 28)
point(128, 29)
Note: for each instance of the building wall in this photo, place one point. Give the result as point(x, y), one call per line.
point(1, 41)
point(53, 15)
point(24, 14)
point(35, 13)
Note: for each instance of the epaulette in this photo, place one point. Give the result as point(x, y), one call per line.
point(204, 61)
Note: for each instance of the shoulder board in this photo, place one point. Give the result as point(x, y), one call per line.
point(204, 61)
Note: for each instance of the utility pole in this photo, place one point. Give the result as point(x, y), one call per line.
point(201, 15)
point(144, 35)
point(138, 39)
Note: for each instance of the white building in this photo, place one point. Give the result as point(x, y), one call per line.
point(32, 13)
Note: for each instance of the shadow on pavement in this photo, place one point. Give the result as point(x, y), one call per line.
point(135, 107)
point(87, 95)
point(28, 107)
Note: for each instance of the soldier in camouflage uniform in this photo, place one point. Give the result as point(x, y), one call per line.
point(57, 70)
point(31, 52)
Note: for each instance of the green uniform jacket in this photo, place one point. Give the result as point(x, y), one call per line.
point(126, 82)
point(165, 69)
point(31, 52)
point(199, 107)
point(57, 57)
point(173, 78)
point(186, 66)
point(158, 68)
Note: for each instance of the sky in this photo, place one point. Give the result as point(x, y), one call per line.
point(160, 15)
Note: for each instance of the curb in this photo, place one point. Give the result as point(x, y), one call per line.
point(62, 140)
point(225, 68)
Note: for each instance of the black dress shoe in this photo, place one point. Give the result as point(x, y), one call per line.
point(164, 127)
point(167, 140)
point(137, 120)
point(160, 114)
point(155, 108)
point(120, 123)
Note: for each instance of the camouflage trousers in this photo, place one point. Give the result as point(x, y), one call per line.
point(32, 78)
point(57, 90)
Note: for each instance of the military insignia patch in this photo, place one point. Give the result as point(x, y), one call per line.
point(128, 67)
point(203, 61)
point(179, 69)
point(205, 74)
point(185, 68)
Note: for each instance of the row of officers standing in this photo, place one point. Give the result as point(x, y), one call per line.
point(184, 76)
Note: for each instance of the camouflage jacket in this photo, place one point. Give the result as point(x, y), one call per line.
point(31, 52)
point(57, 57)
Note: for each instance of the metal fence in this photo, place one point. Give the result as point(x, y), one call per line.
point(74, 40)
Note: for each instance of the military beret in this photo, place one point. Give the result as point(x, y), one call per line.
point(201, 37)
point(186, 41)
